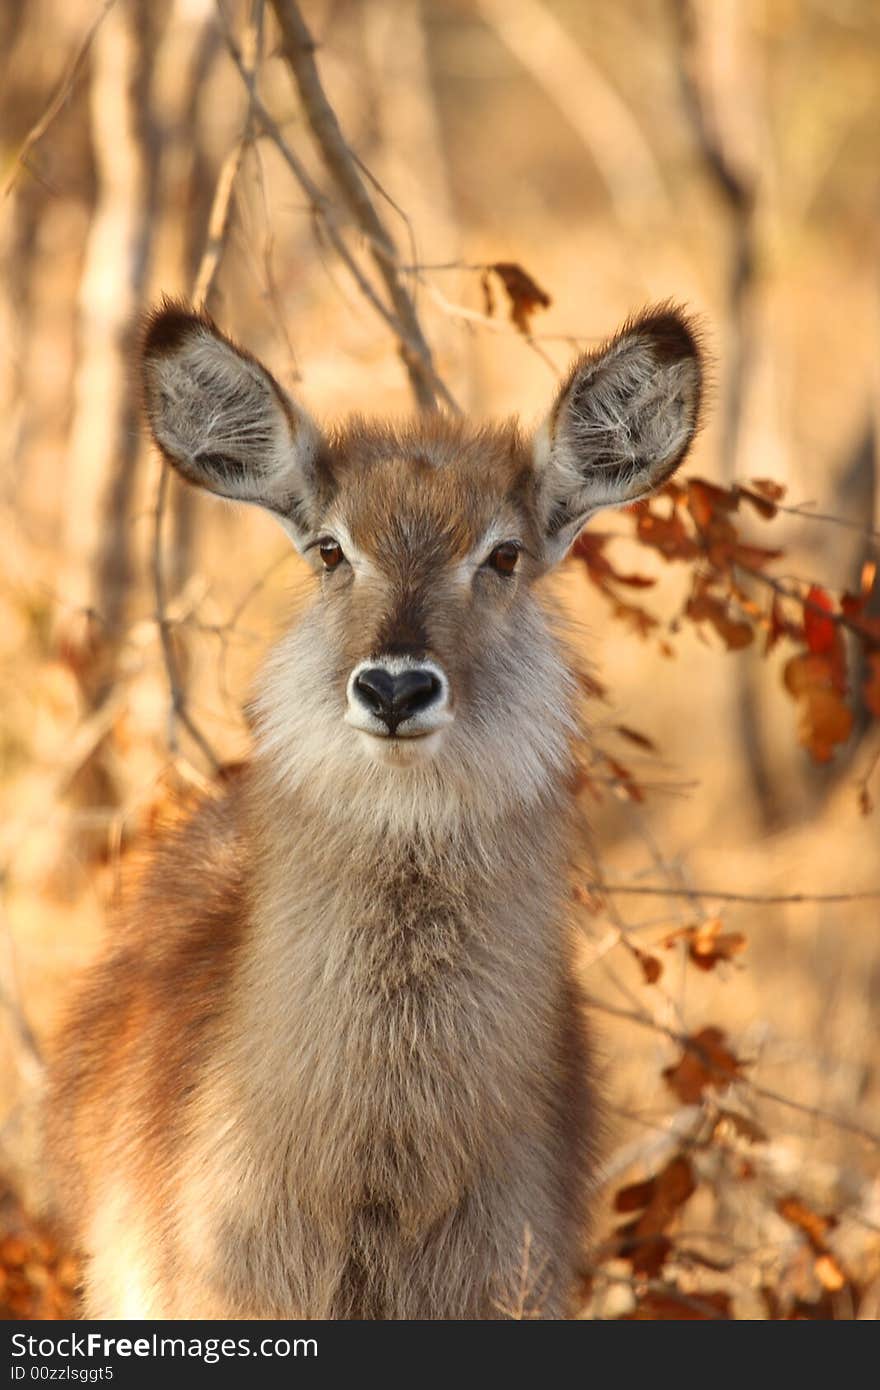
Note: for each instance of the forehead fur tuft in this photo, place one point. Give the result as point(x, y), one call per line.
point(437, 441)
point(436, 480)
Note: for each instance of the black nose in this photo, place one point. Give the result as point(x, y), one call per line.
point(394, 698)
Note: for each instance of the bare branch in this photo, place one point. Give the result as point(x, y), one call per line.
point(688, 1044)
point(218, 222)
point(30, 1058)
point(655, 890)
point(62, 92)
point(205, 280)
point(319, 202)
point(179, 711)
point(298, 48)
point(803, 513)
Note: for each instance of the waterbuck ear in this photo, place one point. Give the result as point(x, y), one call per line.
point(224, 422)
point(621, 424)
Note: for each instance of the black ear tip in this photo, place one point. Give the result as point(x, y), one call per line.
point(168, 325)
point(674, 335)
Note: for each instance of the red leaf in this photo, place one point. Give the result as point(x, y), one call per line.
point(818, 631)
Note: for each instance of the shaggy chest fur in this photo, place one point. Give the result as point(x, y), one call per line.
point(385, 1062)
point(383, 980)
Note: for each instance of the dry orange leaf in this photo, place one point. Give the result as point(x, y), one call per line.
point(777, 625)
point(643, 1242)
point(590, 547)
point(639, 619)
point(667, 534)
point(703, 499)
point(818, 681)
point(753, 557)
point(633, 735)
point(814, 1226)
point(819, 631)
point(651, 967)
point(674, 1306)
point(768, 487)
point(705, 607)
point(825, 721)
point(524, 294)
point(762, 505)
point(37, 1281)
point(660, 1197)
point(706, 1061)
point(635, 1195)
point(707, 943)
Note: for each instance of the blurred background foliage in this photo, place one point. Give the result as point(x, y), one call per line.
point(722, 153)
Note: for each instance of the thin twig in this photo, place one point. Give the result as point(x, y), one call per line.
point(688, 1044)
point(320, 204)
point(179, 712)
point(203, 287)
point(801, 511)
point(808, 604)
point(30, 1058)
point(461, 311)
point(865, 779)
point(655, 890)
point(218, 222)
point(783, 590)
point(62, 92)
point(298, 48)
point(273, 293)
point(221, 205)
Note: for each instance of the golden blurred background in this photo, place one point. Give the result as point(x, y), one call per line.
point(721, 153)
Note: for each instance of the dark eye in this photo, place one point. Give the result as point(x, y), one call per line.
point(331, 554)
point(504, 558)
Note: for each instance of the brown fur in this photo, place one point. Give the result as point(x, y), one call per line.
point(334, 1063)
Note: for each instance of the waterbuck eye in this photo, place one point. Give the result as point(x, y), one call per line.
point(331, 554)
point(504, 558)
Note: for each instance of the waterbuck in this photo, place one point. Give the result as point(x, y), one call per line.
point(334, 1063)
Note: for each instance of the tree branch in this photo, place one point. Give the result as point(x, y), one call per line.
point(62, 92)
point(179, 711)
point(298, 48)
point(688, 1044)
point(654, 890)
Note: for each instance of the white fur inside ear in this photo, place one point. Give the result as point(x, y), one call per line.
point(221, 417)
point(628, 412)
point(622, 423)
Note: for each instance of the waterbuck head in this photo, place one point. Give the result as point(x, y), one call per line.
point(426, 647)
